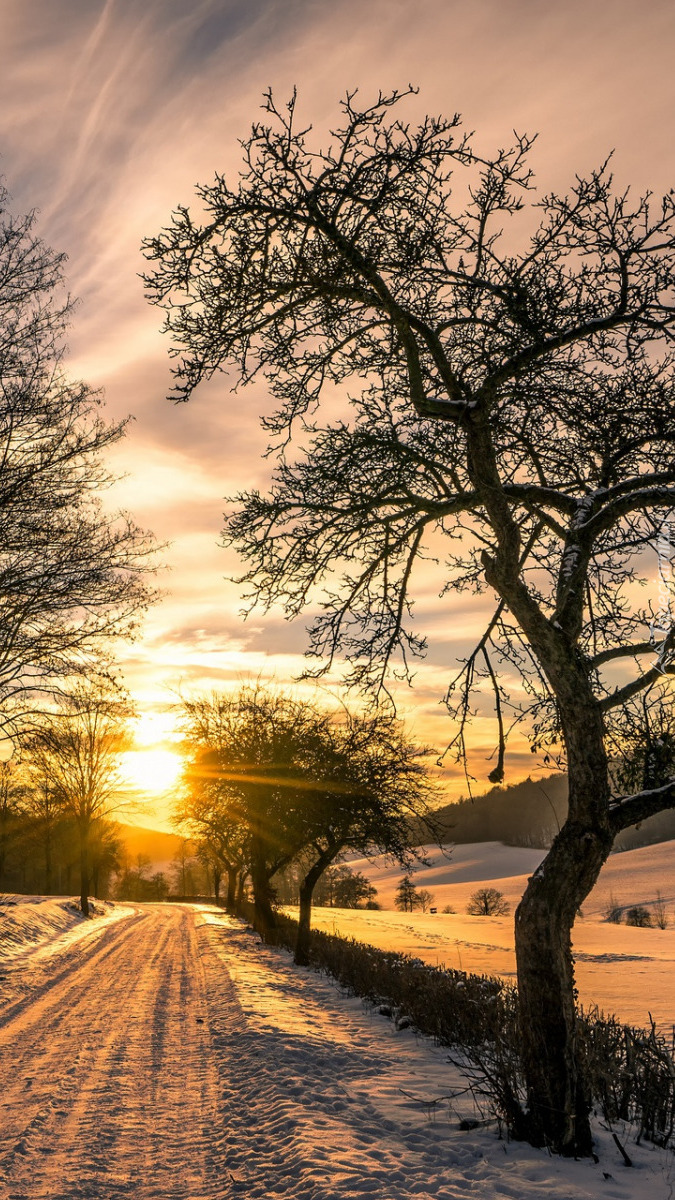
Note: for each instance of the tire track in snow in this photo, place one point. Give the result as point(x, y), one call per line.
point(108, 1082)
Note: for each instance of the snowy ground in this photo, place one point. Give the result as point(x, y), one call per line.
point(623, 970)
point(171, 1055)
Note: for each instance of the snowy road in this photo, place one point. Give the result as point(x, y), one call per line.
point(107, 1079)
point(170, 1055)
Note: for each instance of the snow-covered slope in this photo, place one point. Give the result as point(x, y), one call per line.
point(633, 877)
point(623, 970)
point(48, 924)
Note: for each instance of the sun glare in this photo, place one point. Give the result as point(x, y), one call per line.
point(153, 771)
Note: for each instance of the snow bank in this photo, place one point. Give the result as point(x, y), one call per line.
point(29, 923)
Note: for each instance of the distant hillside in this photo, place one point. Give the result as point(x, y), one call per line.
point(154, 844)
point(524, 814)
point(530, 814)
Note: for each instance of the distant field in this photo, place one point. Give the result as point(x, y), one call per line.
point(629, 972)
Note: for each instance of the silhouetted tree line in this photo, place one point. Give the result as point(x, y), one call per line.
point(275, 783)
point(40, 843)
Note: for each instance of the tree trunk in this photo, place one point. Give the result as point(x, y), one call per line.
point(217, 874)
point(241, 884)
point(264, 921)
point(84, 871)
point(557, 1097)
point(307, 886)
point(301, 957)
point(558, 1105)
point(230, 898)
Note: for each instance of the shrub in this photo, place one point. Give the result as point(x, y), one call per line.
point(613, 911)
point(640, 916)
point(488, 902)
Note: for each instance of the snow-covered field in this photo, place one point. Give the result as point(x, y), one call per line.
point(179, 1058)
point(626, 971)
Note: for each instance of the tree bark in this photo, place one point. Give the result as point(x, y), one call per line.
point(558, 1104)
point(557, 1097)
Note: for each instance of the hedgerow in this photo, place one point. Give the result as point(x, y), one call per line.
point(630, 1072)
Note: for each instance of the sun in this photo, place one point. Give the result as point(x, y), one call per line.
point(151, 771)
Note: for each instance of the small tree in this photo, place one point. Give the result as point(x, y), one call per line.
point(370, 794)
point(488, 902)
point(660, 912)
point(352, 889)
point(424, 899)
point(406, 895)
point(76, 751)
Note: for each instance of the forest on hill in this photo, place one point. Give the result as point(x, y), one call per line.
point(530, 813)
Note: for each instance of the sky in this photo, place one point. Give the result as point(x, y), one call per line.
point(113, 110)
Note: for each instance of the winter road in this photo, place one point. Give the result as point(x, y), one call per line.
point(167, 1055)
point(107, 1075)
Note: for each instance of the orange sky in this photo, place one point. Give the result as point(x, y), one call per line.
point(111, 113)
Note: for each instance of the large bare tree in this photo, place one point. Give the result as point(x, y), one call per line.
point(71, 570)
point(509, 359)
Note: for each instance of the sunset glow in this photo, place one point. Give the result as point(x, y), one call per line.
point(153, 772)
point(147, 101)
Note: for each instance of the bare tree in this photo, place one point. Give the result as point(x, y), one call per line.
point(424, 899)
point(487, 902)
point(259, 746)
point(514, 398)
point(370, 794)
point(71, 571)
point(76, 750)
